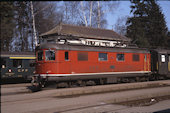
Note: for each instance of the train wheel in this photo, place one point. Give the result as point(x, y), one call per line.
point(90, 83)
point(62, 85)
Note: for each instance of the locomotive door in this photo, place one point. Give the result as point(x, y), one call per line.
point(67, 64)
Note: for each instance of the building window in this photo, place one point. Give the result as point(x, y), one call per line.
point(66, 56)
point(82, 56)
point(102, 56)
point(162, 58)
point(40, 55)
point(135, 57)
point(120, 57)
point(17, 63)
point(49, 55)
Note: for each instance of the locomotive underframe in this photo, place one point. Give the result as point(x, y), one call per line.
point(82, 80)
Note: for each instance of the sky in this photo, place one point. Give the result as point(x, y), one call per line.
point(124, 10)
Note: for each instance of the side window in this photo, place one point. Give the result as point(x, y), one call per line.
point(40, 55)
point(102, 57)
point(82, 56)
point(3, 63)
point(66, 56)
point(32, 63)
point(17, 63)
point(120, 57)
point(162, 58)
point(49, 55)
point(135, 57)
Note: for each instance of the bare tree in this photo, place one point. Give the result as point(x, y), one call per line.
point(83, 11)
point(98, 14)
point(91, 9)
point(70, 11)
point(88, 13)
point(48, 18)
point(120, 26)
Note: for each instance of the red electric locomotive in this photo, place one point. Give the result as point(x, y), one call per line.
point(80, 64)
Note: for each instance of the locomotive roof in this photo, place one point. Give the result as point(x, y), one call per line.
point(85, 32)
point(91, 48)
point(13, 54)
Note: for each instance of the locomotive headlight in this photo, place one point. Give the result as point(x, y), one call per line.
point(9, 70)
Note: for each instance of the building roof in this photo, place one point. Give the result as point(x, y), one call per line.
point(85, 32)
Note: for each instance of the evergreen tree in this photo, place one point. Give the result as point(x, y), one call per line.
point(168, 40)
point(157, 29)
point(147, 27)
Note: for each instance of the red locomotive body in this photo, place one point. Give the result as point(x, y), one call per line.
point(62, 61)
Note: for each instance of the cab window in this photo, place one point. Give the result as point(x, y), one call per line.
point(40, 55)
point(49, 55)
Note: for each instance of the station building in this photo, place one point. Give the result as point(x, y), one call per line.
point(81, 35)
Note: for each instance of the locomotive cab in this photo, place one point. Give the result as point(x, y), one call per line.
point(46, 61)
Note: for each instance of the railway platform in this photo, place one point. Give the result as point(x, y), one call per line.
point(51, 101)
